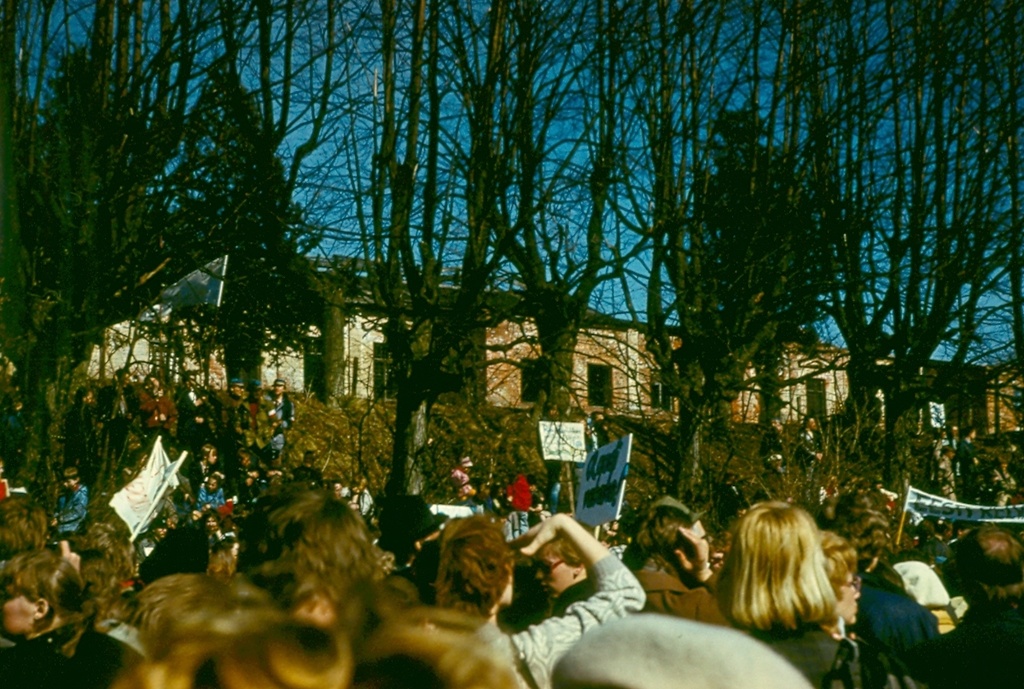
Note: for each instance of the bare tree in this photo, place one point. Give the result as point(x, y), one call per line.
point(911, 194)
point(423, 171)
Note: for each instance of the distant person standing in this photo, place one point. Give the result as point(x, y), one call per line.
point(772, 451)
point(72, 505)
point(282, 416)
point(810, 449)
point(965, 463)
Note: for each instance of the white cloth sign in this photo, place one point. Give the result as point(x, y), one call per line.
point(920, 504)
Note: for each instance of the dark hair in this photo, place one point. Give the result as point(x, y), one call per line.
point(657, 536)
point(990, 563)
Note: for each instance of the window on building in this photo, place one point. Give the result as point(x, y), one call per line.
point(660, 396)
point(599, 385)
point(531, 380)
point(383, 382)
point(816, 406)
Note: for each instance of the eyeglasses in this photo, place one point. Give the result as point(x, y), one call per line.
point(551, 566)
point(855, 583)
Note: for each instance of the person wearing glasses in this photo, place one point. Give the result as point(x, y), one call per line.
point(563, 575)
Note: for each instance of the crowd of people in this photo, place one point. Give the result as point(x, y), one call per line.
point(306, 591)
point(254, 574)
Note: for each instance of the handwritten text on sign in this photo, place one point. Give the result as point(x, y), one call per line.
point(602, 481)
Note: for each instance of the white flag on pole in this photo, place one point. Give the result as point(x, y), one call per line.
point(137, 502)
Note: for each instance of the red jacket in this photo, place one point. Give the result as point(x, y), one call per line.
point(519, 495)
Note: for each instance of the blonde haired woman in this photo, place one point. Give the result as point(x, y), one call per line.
point(775, 586)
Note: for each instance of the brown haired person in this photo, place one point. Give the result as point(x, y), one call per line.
point(670, 555)
point(563, 575)
point(986, 647)
point(475, 577)
point(311, 552)
point(46, 608)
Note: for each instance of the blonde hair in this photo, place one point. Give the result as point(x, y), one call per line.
point(774, 577)
point(181, 606)
point(249, 651)
point(561, 549)
point(840, 558)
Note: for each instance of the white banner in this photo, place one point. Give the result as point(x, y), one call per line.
point(920, 504)
point(602, 481)
point(563, 441)
point(137, 502)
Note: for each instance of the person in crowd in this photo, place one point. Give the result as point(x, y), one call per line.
point(184, 549)
point(808, 455)
point(211, 494)
point(195, 414)
point(945, 476)
point(252, 649)
point(930, 548)
point(985, 648)
point(282, 416)
point(659, 651)
point(460, 480)
point(178, 606)
point(773, 453)
point(774, 584)
point(24, 526)
point(157, 409)
point(1002, 482)
point(72, 505)
point(234, 417)
point(223, 559)
point(671, 558)
point(563, 574)
point(259, 429)
point(207, 463)
point(966, 465)
point(925, 586)
point(362, 500)
point(520, 501)
point(809, 445)
point(118, 407)
point(307, 473)
point(841, 567)
point(475, 577)
point(888, 618)
point(251, 482)
point(13, 435)
point(312, 553)
point(107, 565)
point(439, 648)
point(45, 607)
point(409, 531)
point(212, 527)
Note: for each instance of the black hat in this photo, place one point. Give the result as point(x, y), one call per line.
point(405, 519)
